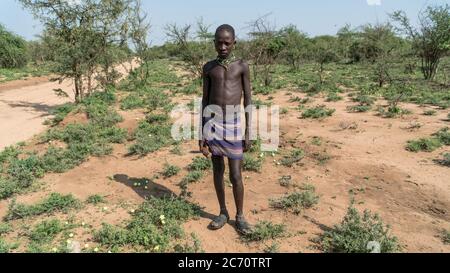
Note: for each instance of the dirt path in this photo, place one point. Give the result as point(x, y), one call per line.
point(26, 104)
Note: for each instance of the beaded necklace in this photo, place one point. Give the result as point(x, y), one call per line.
point(225, 62)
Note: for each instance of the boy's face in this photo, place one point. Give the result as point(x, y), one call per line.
point(224, 43)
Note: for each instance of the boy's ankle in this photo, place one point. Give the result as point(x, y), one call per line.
point(240, 216)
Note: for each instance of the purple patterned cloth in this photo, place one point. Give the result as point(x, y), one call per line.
point(224, 136)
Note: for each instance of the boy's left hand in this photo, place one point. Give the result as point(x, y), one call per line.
point(247, 145)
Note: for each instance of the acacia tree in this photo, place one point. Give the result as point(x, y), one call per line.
point(264, 48)
point(85, 35)
point(13, 50)
point(346, 39)
point(381, 48)
point(431, 39)
point(138, 34)
point(294, 50)
point(323, 52)
point(194, 49)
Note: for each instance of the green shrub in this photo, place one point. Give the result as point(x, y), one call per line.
point(46, 231)
point(95, 199)
point(446, 237)
point(53, 203)
point(318, 112)
point(273, 248)
point(445, 161)
point(132, 101)
point(194, 87)
point(85, 139)
point(355, 233)
point(23, 172)
point(7, 188)
point(9, 153)
point(423, 144)
point(151, 137)
point(102, 115)
point(430, 113)
point(322, 158)
point(294, 157)
point(364, 100)
point(251, 164)
point(156, 99)
point(297, 201)
point(200, 164)
point(333, 97)
point(192, 177)
point(359, 108)
point(265, 231)
point(392, 112)
point(5, 228)
point(61, 112)
point(6, 247)
point(112, 135)
point(170, 171)
point(13, 50)
point(155, 226)
point(444, 136)
point(58, 160)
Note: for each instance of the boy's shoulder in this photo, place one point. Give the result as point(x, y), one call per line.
point(243, 62)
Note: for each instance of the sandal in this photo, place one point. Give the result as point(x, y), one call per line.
point(243, 227)
point(219, 222)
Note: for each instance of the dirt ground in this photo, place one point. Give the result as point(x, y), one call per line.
point(26, 104)
point(367, 155)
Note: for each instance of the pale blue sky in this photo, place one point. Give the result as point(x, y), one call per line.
point(315, 17)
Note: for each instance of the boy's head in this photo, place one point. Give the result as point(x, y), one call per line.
point(225, 39)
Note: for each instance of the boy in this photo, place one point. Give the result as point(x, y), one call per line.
point(225, 81)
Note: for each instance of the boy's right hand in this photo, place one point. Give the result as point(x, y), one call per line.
point(204, 149)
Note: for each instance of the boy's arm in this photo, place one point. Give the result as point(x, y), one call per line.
point(205, 101)
point(247, 102)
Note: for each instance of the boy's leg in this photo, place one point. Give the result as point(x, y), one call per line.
point(238, 186)
point(238, 191)
point(219, 170)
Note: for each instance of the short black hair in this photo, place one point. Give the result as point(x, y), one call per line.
point(226, 27)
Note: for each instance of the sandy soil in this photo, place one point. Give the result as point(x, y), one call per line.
point(26, 104)
point(367, 155)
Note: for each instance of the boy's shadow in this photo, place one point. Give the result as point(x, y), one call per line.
point(153, 190)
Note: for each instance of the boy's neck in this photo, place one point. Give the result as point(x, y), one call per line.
point(227, 60)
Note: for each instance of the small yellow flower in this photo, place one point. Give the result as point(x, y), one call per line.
point(71, 235)
point(132, 211)
point(156, 248)
point(162, 217)
point(55, 249)
point(163, 222)
point(86, 246)
point(105, 208)
point(69, 242)
point(96, 249)
point(83, 224)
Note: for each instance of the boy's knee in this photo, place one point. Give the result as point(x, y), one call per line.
point(235, 178)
